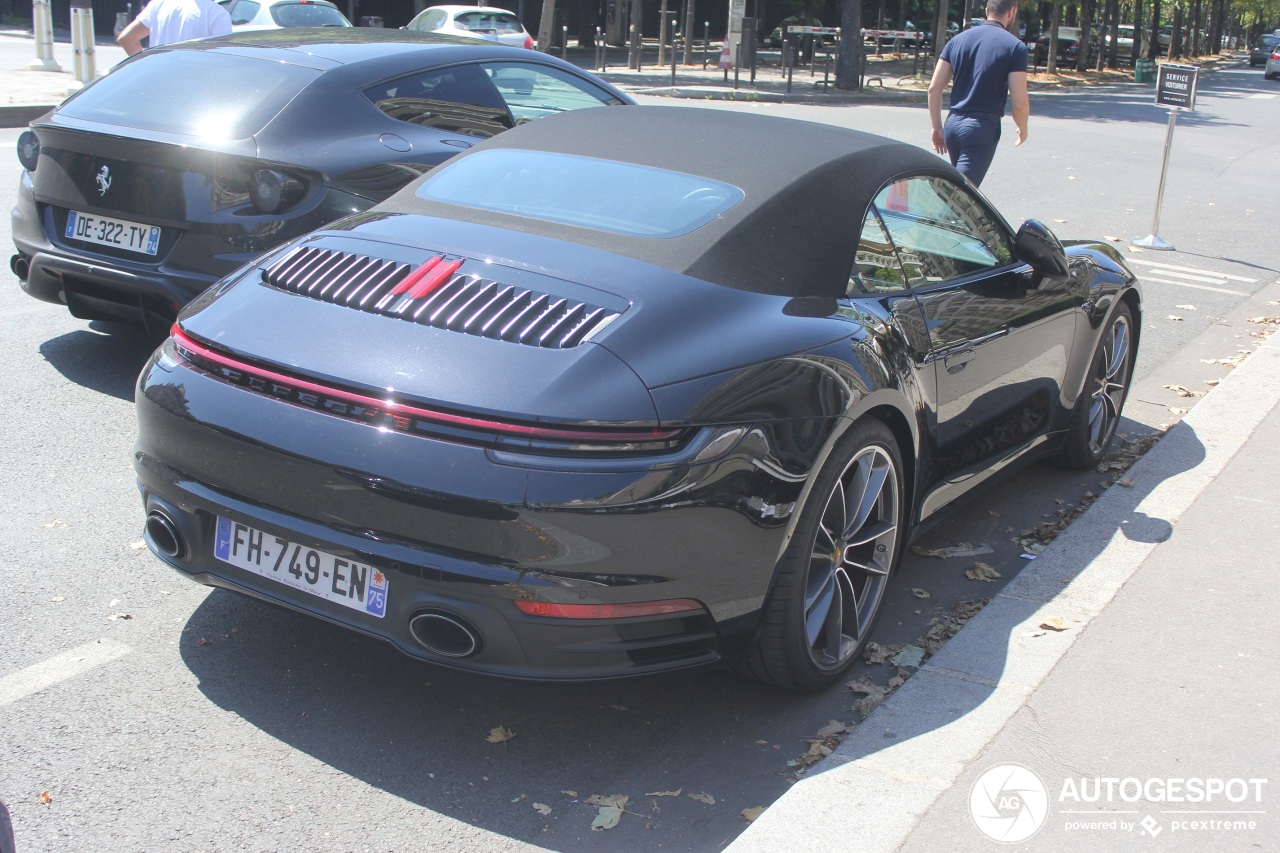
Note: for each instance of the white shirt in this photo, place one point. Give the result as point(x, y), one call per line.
point(182, 20)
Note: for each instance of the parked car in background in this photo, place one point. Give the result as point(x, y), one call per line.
point(482, 22)
point(594, 400)
point(1068, 48)
point(191, 159)
point(1262, 48)
point(276, 14)
point(1272, 69)
point(1124, 42)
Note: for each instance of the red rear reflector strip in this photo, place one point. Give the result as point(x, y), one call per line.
point(400, 410)
point(414, 277)
point(438, 276)
point(607, 611)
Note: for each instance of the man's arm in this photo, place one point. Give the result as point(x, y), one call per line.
point(1020, 103)
point(131, 37)
point(941, 77)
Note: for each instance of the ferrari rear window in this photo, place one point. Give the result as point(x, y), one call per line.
point(191, 92)
point(622, 198)
point(307, 14)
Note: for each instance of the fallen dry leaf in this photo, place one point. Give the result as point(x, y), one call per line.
point(964, 549)
point(751, 814)
point(1055, 623)
point(1126, 482)
point(867, 704)
point(500, 734)
point(542, 808)
point(674, 793)
point(864, 685)
point(570, 793)
point(121, 615)
point(57, 522)
point(1174, 317)
point(703, 798)
point(919, 593)
point(1185, 307)
point(614, 800)
point(45, 798)
point(1273, 321)
point(833, 728)
point(982, 572)
point(607, 818)
point(910, 655)
point(57, 598)
point(876, 653)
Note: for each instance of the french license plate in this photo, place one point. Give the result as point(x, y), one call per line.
point(105, 231)
point(337, 579)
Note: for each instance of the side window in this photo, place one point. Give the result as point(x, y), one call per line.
point(243, 11)
point(941, 229)
point(458, 99)
point(533, 91)
point(875, 268)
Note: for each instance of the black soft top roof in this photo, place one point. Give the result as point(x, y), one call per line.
point(807, 188)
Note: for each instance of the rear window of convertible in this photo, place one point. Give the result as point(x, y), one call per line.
point(622, 198)
point(191, 92)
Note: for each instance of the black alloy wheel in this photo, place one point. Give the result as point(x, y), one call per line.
point(833, 577)
point(1097, 413)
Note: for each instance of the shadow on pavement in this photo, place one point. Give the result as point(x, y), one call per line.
point(987, 641)
point(418, 731)
point(104, 357)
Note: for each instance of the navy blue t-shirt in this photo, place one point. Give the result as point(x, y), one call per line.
point(982, 58)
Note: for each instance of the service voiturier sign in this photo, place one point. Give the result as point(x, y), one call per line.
point(1176, 86)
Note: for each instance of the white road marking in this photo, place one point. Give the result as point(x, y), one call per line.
point(1147, 278)
point(1261, 96)
point(1145, 262)
point(33, 679)
point(1187, 276)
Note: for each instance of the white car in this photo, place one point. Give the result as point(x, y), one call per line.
point(1272, 69)
point(483, 22)
point(275, 14)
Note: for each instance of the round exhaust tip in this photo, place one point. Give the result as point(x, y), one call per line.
point(445, 634)
point(21, 267)
point(164, 536)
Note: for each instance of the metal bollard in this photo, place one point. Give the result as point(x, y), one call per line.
point(674, 37)
point(82, 44)
point(42, 29)
point(706, 43)
point(564, 42)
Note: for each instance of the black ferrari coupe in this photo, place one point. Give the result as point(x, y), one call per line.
point(595, 400)
point(190, 160)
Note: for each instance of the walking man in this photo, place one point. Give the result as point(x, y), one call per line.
point(986, 67)
point(167, 21)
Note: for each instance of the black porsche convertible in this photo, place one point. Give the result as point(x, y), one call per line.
point(595, 400)
point(191, 159)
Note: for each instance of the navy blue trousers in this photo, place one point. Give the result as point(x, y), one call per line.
point(971, 141)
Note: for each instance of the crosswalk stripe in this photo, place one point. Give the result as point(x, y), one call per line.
point(33, 679)
point(1164, 266)
point(1211, 279)
point(1151, 278)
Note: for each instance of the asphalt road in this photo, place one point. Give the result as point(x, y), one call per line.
point(162, 716)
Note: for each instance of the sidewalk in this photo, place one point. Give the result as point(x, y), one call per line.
point(1144, 725)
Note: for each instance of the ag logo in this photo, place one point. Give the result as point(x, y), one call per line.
point(1008, 803)
point(104, 180)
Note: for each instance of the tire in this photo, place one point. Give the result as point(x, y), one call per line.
point(1097, 412)
point(833, 577)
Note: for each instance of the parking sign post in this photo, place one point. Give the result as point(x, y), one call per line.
point(1175, 89)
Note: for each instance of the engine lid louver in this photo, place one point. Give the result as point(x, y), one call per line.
point(440, 294)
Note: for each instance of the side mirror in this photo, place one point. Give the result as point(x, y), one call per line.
point(1036, 245)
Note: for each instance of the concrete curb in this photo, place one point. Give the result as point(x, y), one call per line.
point(888, 773)
point(21, 115)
